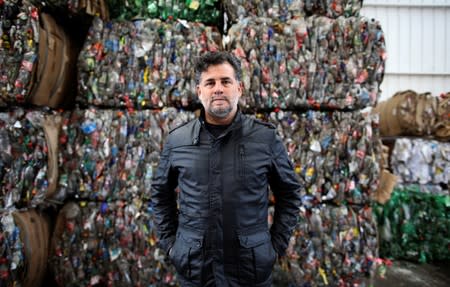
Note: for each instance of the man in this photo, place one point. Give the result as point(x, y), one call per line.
point(223, 164)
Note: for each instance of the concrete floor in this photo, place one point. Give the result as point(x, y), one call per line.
point(409, 274)
point(400, 274)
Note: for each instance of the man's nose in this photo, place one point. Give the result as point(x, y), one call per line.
point(218, 88)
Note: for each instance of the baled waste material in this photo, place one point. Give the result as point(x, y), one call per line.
point(421, 161)
point(108, 154)
point(111, 243)
point(143, 63)
point(18, 50)
point(284, 10)
point(204, 11)
point(332, 245)
point(414, 225)
point(313, 62)
point(336, 154)
point(408, 113)
point(24, 158)
point(24, 246)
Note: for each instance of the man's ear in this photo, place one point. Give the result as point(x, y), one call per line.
point(241, 88)
point(197, 90)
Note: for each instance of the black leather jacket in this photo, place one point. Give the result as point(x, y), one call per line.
point(219, 229)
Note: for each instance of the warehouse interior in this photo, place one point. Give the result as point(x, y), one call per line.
point(91, 89)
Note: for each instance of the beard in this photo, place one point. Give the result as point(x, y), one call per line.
point(220, 112)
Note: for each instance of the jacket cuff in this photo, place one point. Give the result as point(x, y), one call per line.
point(166, 244)
point(279, 244)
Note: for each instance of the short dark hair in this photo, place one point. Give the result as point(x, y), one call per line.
point(216, 58)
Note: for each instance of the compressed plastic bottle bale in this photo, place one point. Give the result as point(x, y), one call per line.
point(207, 11)
point(107, 154)
point(108, 243)
point(24, 243)
point(414, 225)
point(24, 157)
point(285, 10)
point(332, 8)
point(421, 161)
point(313, 62)
point(332, 245)
point(18, 50)
point(336, 154)
point(35, 234)
point(75, 7)
point(12, 252)
point(142, 64)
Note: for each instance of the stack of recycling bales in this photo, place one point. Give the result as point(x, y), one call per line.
point(415, 224)
point(135, 83)
point(94, 162)
point(309, 68)
point(27, 155)
point(104, 232)
point(26, 179)
point(37, 55)
point(336, 157)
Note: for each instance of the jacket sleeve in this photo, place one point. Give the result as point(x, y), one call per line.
point(285, 186)
point(164, 199)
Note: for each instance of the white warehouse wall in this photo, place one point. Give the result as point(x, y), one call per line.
point(417, 35)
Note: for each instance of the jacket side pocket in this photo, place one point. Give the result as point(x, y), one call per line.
point(256, 257)
point(187, 253)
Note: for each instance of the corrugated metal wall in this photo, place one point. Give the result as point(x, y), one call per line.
point(417, 34)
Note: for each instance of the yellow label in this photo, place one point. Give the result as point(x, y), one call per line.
point(194, 5)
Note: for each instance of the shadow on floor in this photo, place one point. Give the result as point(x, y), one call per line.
point(410, 274)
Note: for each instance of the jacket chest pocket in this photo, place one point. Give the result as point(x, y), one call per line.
point(251, 162)
point(240, 162)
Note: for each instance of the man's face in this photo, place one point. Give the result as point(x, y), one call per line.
point(219, 93)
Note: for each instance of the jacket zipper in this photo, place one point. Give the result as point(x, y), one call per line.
point(241, 161)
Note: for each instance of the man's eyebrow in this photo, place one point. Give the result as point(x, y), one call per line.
point(221, 79)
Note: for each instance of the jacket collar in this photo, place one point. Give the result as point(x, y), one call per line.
point(236, 123)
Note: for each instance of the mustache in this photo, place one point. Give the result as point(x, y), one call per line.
point(215, 98)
